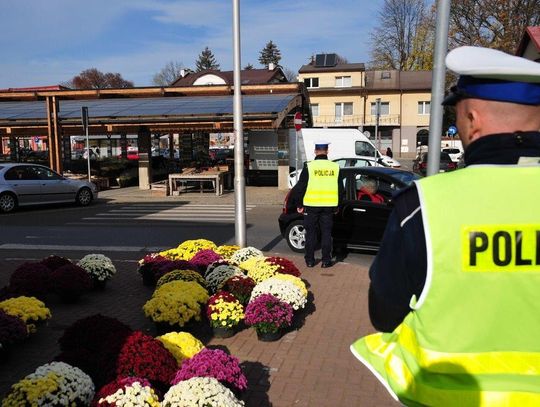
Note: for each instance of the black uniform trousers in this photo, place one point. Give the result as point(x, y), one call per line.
point(318, 220)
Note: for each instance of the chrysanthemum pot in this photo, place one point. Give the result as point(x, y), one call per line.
point(223, 332)
point(269, 336)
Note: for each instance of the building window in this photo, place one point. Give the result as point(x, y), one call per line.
point(343, 82)
point(311, 82)
point(343, 109)
point(423, 107)
point(385, 108)
point(386, 75)
point(314, 109)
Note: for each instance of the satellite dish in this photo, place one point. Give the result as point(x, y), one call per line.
point(367, 134)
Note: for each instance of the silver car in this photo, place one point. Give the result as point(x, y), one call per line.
point(32, 184)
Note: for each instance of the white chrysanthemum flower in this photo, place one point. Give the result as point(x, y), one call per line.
point(200, 391)
point(285, 290)
point(246, 253)
point(97, 266)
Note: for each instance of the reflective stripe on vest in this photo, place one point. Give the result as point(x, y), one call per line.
point(322, 189)
point(473, 338)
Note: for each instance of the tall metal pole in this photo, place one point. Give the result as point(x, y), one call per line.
point(377, 116)
point(84, 118)
point(437, 87)
point(239, 181)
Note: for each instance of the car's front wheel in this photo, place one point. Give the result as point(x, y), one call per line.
point(295, 235)
point(8, 202)
point(84, 197)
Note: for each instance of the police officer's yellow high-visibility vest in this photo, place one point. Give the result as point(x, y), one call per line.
point(322, 189)
point(473, 336)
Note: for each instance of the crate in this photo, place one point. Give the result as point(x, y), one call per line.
point(160, 188)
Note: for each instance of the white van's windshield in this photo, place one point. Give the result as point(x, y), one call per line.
point(365, 149)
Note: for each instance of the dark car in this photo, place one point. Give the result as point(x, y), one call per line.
point(446, 164)
point(359, 224)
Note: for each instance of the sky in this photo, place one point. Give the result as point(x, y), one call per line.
point(46, 42)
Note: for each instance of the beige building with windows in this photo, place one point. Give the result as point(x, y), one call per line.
point(346, 95)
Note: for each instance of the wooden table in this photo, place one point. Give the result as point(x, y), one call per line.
point(217, 179)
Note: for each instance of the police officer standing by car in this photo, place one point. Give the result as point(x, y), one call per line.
point(460, 293)
point(319, 192)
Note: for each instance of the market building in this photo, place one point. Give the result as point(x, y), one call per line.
point(188, 113)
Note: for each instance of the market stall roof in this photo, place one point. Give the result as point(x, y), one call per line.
point(266, 107)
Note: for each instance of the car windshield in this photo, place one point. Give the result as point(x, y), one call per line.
point(405, 176)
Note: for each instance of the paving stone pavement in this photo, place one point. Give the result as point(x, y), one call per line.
point(311, 366)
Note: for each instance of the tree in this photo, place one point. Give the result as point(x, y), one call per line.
point(399, 41)
point(270, 54)
point(495, 24)
point(206, 61)
point(168, 74)
point(248, 67)
point(291, 75)
point(95, 79)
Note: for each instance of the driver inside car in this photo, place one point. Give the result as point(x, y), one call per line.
point(368, 192)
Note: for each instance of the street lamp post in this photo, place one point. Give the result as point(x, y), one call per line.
point(377, 116)
point(239, 180)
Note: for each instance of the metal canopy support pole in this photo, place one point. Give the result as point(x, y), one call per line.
point(84, 118)
point(239, 181)
point(437, 87)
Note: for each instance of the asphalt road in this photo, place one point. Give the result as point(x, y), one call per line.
point(129, 230)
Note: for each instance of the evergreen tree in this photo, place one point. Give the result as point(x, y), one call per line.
point(270, 54)
point(206, 61)
point(248, 67)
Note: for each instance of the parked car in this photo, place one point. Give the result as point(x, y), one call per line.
point(32, 184)
point(359, 224)
point(454, 153)
point(343, 163)
point(446, 164)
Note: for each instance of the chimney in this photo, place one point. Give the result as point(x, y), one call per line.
point(182, 72)
point(271, 66)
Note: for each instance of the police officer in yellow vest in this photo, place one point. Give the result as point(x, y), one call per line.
point(319, 192)
point(455, 286)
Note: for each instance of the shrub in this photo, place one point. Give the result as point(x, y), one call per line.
point(12, 329)
point(203, 258)
point(52, 384)
point(30, 279)
point(70, 280)
point(224, 310)
point(29, 309)
point(53, 261)
point(285, 266)
point(182, 345)
point(213, 363)
point(98, 266)
point(200, 391)
point(92, 344)
point(176, 303)
point(143, 356)
point(182, 275)
point(268, 314)
point(127, 391)
point(239, 286)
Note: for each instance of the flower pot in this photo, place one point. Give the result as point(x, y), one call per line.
point(223, 332)
point(99, 285)
point(269, 336)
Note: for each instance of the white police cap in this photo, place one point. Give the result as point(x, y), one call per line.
point(321, 144)
point(493, 75)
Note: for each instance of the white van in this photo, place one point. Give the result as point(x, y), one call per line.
point(344, 143)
